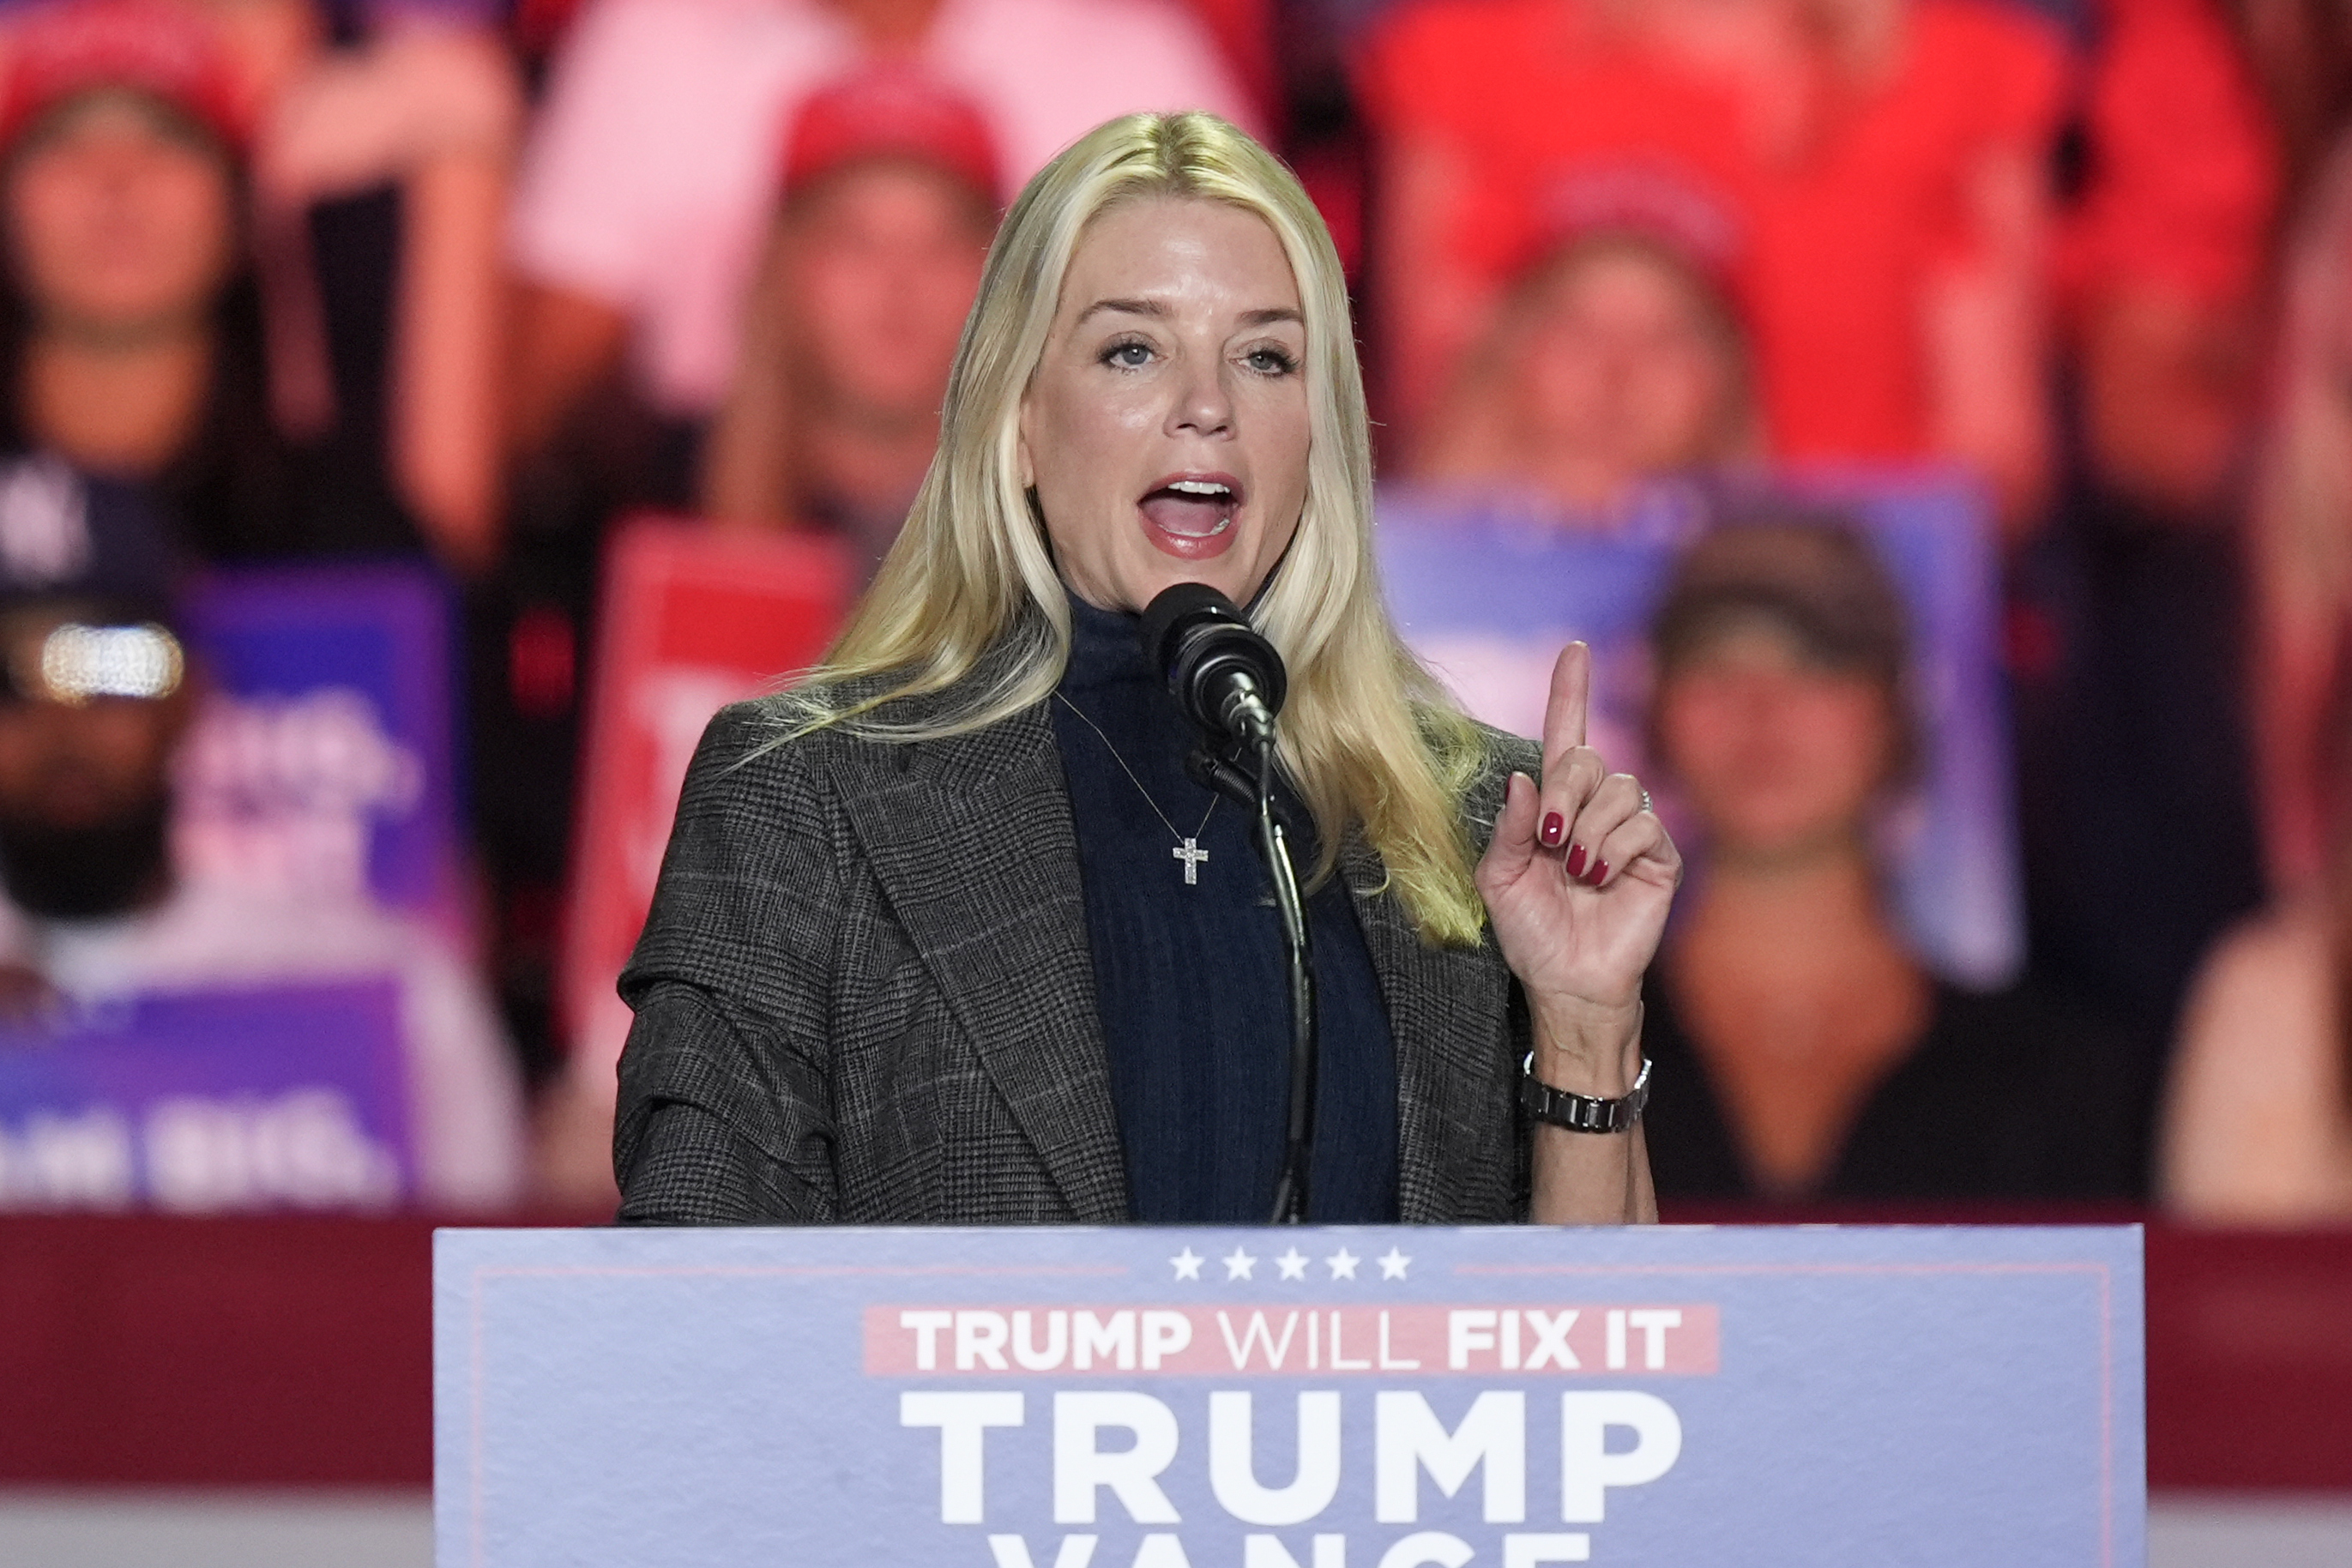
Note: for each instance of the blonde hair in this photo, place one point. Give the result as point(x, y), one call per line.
point(1369, 739)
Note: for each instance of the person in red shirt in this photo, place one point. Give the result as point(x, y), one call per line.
point(1884, 156)
point(1900, 269)
point(1619, 355)
point(2162, 257)
point(1484, 111)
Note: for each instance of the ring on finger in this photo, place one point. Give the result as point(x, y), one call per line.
point(1645, 798)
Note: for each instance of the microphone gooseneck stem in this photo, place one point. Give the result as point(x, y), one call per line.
point(1230, 682)
point(1299, 1141)
point(1245, 714)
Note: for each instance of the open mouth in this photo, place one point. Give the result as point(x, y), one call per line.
point(1193, 510)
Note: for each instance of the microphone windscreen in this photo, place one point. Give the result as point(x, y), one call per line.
point(1208, 654)
point(1175, 610)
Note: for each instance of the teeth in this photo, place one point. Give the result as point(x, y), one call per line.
point(1200, 488)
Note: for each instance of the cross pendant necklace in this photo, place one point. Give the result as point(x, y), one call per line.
point(1189, 850)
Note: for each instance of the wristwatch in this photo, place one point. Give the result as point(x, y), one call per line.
point(1581, 1113)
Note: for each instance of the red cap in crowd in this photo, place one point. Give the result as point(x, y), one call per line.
point(60, 51)
point(1649, 202)
point(891, 112)
point(1656, 204)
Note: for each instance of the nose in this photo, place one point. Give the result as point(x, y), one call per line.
point(1204, 405)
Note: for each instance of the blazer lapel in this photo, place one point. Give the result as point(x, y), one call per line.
point(973, 841)
point(1446, 1012)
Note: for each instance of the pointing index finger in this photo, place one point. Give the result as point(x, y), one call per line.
point(1572, 697)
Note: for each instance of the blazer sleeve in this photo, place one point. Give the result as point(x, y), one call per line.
point(724, 1114)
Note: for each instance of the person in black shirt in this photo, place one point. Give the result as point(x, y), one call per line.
point(131, 336)
point(1802, 1049)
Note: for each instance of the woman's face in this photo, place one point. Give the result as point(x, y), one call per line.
point(120, 221)
point(1166, 428)
point(1623, 370)
point(886, 260)
point(1779, 757)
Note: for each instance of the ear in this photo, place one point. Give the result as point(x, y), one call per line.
point(1027, 464)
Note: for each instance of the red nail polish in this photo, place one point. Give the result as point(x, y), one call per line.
point(1600, 872)
point(1552, 824)
point(1576, 860)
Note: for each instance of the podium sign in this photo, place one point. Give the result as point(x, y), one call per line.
point(1266, 1398)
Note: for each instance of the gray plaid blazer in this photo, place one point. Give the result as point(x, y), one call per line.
point(864, 994)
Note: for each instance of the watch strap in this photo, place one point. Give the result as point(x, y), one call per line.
point(1583, 1112)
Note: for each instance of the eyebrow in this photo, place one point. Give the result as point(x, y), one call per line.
point(1154, 308)
point(1125, 307)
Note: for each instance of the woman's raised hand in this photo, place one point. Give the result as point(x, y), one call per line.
point(1578, 878)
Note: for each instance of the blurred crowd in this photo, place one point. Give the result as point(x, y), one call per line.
point(470, 283)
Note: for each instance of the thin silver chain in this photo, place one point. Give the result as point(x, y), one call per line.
point(1137, 782)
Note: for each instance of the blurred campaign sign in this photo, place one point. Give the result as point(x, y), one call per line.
point(208, 1101)
point(322, 761)
point(1288, 1398)
point(694, 619)
point(1487, 588)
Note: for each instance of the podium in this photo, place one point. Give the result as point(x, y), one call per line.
point(1391, 1397)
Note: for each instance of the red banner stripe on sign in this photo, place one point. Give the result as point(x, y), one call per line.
point(1555, 1339)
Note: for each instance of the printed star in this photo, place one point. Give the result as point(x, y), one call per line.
point(1238, 1265)
point(1342, 1264)
point(1188, 1264)
point(1293, 1264)
point(1393, 1264)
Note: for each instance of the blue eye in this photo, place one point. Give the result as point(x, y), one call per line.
point(1270, 362)
point(1129, 355)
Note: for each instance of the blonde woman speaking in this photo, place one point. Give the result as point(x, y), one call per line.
point(948, 932)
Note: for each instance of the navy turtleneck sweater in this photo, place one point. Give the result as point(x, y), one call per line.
point(1193, 982)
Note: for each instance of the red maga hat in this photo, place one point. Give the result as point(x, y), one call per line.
point(61, 51)
point(1647, 200)
point(891, 111)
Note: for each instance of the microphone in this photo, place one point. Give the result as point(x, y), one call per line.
point(1225, 676)
point(1230, 683)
